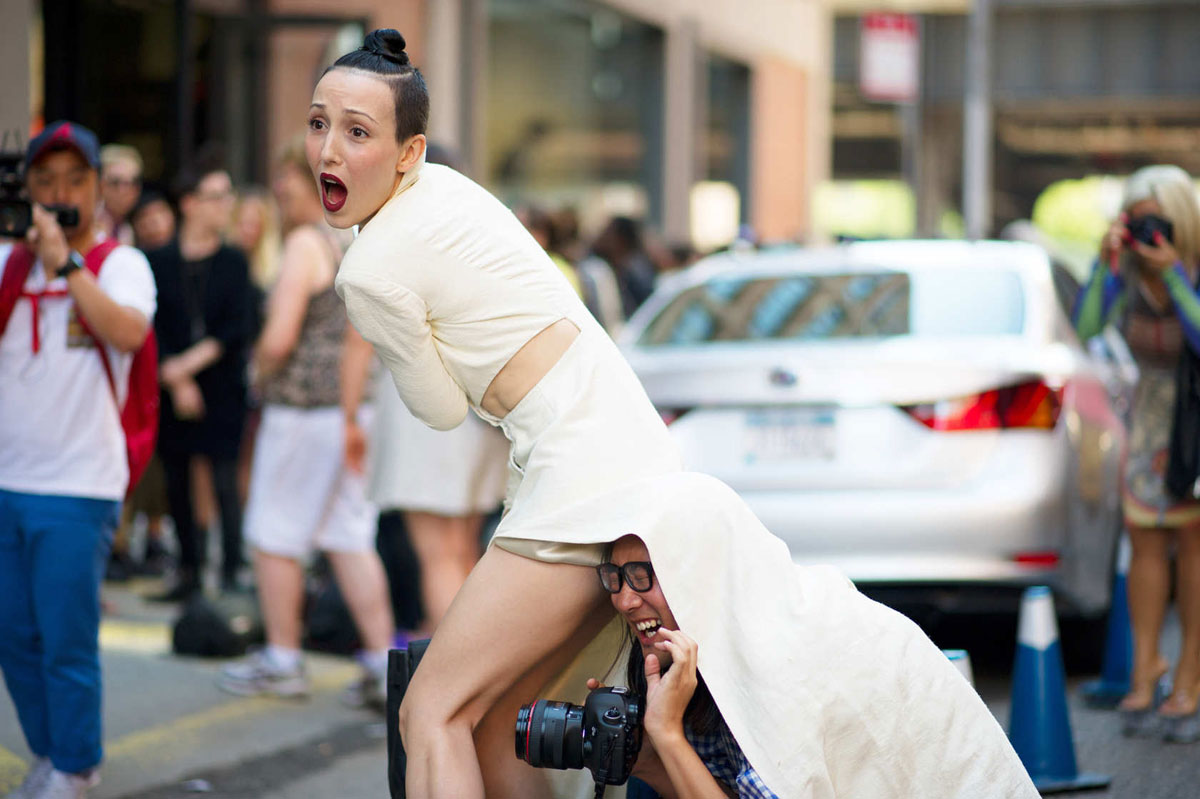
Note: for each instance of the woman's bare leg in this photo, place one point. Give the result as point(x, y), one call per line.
point(447, 548)
point(1187, 671)
point(281, 595)
point(515, 624)
point(363, 583)
point(1149, 585)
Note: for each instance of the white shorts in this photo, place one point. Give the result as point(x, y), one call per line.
point(302, 496)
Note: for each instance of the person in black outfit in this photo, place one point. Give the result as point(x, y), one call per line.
point(202, 326)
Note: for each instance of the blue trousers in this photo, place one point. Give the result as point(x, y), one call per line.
point(52, 555)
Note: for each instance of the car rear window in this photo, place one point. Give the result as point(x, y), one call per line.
point(883, 304)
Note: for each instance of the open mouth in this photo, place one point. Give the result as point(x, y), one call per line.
point(333, 192)
point(648, 627)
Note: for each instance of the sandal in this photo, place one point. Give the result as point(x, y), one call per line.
point(1182, 728)
point(1143, 722)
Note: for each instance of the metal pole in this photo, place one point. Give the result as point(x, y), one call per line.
point(184, 85)
point(977, 123)
point(681, 130)
point(15, 106)
point(911, 134)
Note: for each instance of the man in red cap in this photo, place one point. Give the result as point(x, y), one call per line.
point(64, 468)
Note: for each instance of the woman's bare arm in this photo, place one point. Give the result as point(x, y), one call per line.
point(356, 365)
point(299, 274)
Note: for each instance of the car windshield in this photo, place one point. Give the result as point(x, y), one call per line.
point(943, 302)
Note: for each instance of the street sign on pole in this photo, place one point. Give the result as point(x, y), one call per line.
point(889, 57)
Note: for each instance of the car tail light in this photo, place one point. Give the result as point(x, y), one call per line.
point(669, 415)
point(1029, 405)
point(1044, 560)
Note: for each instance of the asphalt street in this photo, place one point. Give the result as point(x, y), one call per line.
point(171, 734)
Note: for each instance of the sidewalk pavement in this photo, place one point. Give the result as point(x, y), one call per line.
point(165, 719)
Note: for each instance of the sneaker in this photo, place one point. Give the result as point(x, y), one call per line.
point(155, 560)
point(119, 569)
point(369, 691)
point(60, 785)
point(35, 778)
point(185, 588)
point(258, 674)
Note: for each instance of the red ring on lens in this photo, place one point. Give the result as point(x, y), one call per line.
point(529, 728)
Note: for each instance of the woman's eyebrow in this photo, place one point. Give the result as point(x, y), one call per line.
point(360, 113)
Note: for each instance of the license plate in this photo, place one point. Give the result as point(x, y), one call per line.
point(772, 436)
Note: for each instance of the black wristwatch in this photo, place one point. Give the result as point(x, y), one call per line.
point(74, 261)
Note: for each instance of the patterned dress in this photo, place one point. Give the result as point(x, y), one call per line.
point(1156, 336)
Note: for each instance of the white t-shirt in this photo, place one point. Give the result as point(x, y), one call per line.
point(60, 432)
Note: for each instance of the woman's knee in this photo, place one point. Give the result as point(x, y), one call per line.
point(1188, 541)
point(425, 711)
point(1149, 542)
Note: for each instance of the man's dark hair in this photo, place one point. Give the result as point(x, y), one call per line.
point(627, 231)
point(150, 195)
point(207, 161)
point(383, 53)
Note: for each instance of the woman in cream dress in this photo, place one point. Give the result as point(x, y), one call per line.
point(468, 312)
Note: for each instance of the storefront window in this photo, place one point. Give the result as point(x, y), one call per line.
point(574, 108)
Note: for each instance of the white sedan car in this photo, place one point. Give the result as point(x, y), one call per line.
point(917, 413)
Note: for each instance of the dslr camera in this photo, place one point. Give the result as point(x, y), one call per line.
point(16, 212)
point(603, 736)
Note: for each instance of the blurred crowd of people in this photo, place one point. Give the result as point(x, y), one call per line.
point(275, 430)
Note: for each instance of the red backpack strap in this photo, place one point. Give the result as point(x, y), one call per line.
point(93, 261)
point(16, 272)
point(139, 416)
point(95, 257)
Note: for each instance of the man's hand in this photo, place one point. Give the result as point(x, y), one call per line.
point(187, 400)
point(47, 239)
point(667, 695)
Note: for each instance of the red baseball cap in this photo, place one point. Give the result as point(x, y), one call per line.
point(64, 135)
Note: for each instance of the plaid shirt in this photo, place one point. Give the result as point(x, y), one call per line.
point(724, 759)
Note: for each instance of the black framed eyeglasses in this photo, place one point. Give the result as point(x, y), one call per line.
point(638, 573)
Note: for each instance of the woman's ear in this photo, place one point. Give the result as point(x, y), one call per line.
point(411, 153)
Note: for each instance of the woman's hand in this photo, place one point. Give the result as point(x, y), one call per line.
point(171, 371)
point(355, 447)
point(187, 399)
point(1159, 256)
point(1114, 240)
point(667, 695)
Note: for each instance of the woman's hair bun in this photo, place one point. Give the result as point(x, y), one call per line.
point(389, 43)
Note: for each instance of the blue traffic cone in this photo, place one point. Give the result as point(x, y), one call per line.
point(962, 662)
point(1117, 664)
point(1039, 726)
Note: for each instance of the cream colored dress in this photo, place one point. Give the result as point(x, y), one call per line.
point(448, 285)
point(412, 467)
point(828, 693)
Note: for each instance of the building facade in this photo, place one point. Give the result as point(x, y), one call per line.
point(639, 106)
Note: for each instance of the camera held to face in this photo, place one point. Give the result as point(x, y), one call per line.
point(1146, 228)
point(16, 212)
point(604, 735)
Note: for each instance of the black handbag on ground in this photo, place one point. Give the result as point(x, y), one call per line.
point(1183, 461)
point(222, 627)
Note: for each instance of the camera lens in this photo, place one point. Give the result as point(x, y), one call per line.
point(550, 734)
